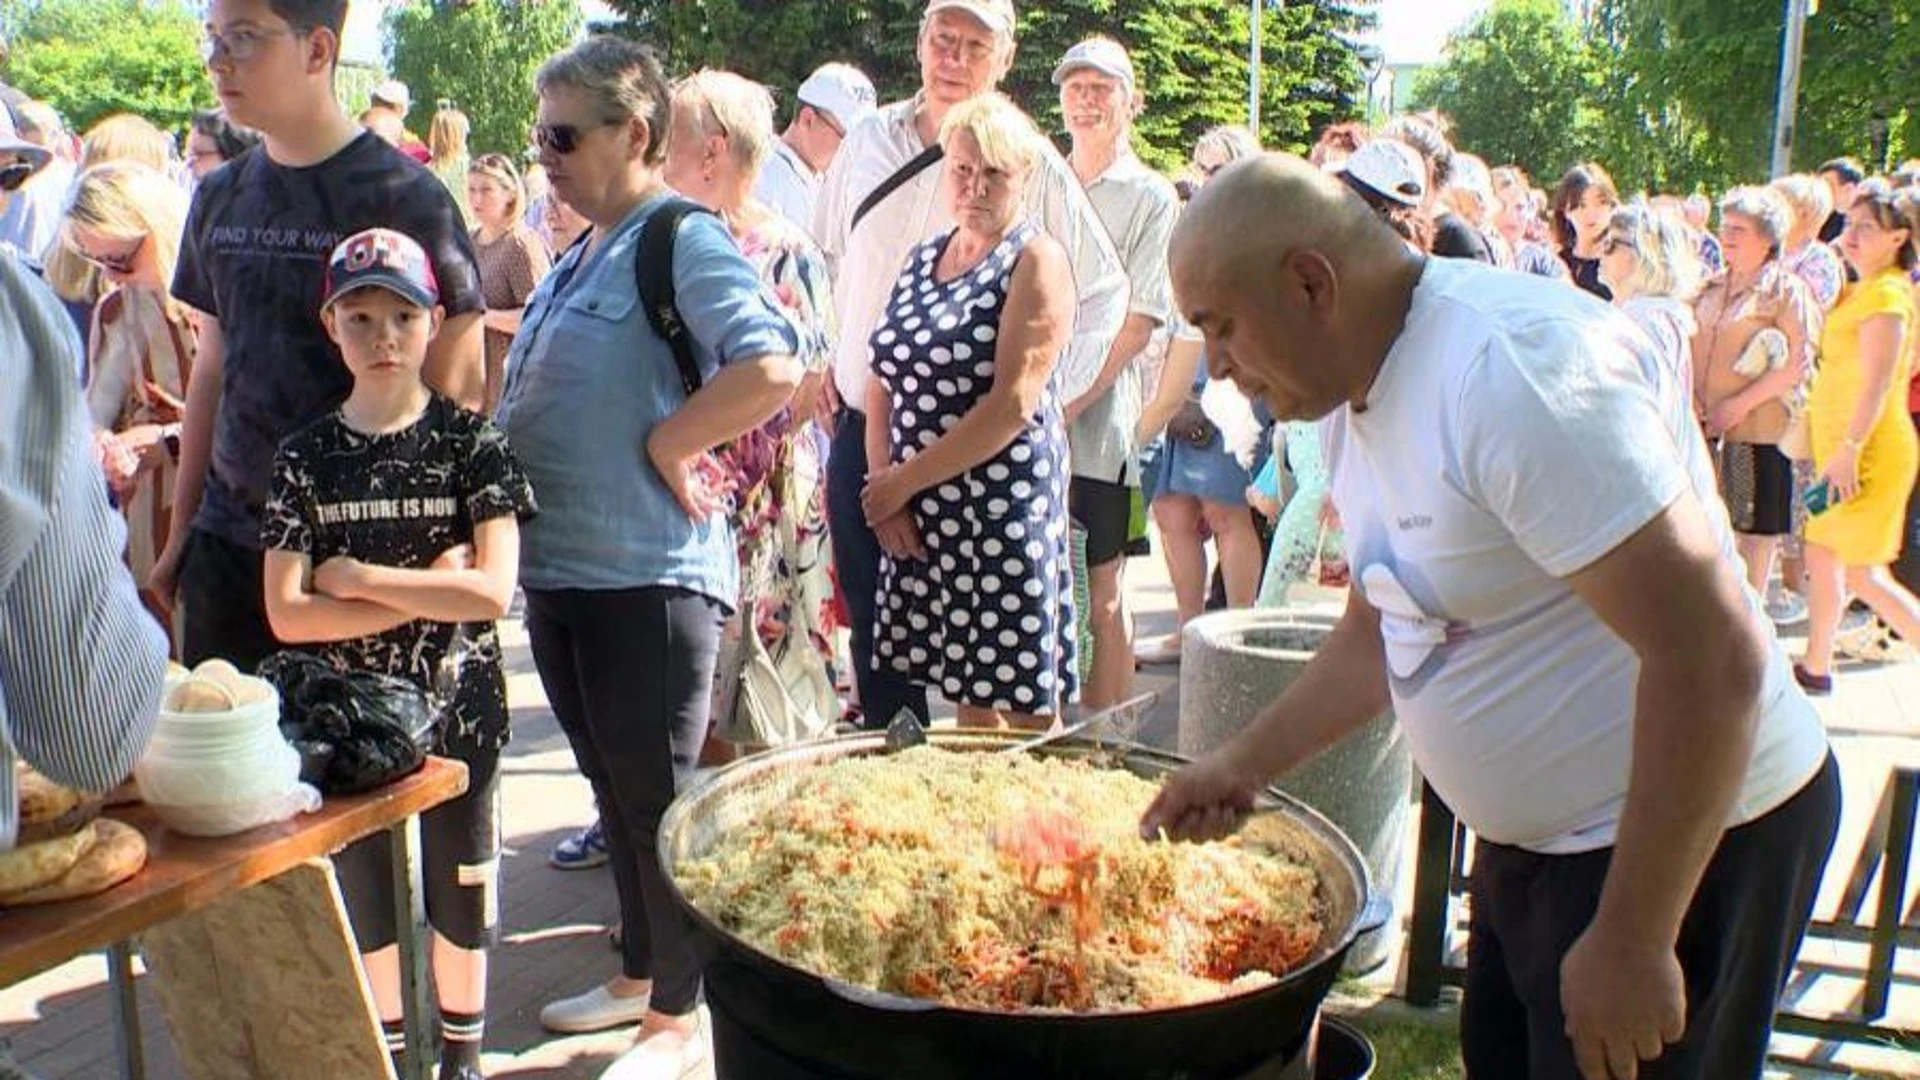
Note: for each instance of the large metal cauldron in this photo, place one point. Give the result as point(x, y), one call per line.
point(823, 1028)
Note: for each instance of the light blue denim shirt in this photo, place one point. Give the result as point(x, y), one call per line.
point(586, 382)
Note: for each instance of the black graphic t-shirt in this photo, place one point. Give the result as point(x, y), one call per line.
point(254, 256)
point(402, 500)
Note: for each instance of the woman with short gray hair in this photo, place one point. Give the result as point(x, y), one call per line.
point(1753, 355)
point(630, 569)
point(1649, 261)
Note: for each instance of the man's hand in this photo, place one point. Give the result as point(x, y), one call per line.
point(339, 577)
point(695, 481)
point(1204, 801)
point(1726, 416)
point(1625, 1000)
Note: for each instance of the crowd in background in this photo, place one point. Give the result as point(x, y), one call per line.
point(986, 388)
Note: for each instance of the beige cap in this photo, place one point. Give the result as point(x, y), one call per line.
point(997, 15)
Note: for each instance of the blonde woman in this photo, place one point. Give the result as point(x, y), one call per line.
point(967, 489)
point(122, 137)
point(1649, 261)
point(447, 154)
point(721, 134)
point(1802, 252)
point(512, 258)
point(126, 137)
point(125, 220)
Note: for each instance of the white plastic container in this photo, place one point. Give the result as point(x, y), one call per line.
point(219, 773)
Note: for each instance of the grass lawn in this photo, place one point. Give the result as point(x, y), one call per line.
point(1414, 1048)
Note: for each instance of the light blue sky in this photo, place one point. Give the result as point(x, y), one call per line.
point(1411, 31)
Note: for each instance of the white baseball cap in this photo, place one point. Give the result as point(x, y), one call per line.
point(842, 91)
point(11, 142)
point(1104, 55)
point(395, 93)
point(996, 14)
point(1390, 169)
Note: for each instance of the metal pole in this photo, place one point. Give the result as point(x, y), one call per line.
point(1253, 70)
point(1791, 45)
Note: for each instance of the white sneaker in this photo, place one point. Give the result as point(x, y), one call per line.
point(1160, 650)
point(663, 1055)
point(595, 1010)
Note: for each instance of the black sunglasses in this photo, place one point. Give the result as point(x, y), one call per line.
point(12, 176)
point(564, 138)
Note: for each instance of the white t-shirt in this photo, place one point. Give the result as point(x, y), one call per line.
point(789, 185)
point(1518, 431)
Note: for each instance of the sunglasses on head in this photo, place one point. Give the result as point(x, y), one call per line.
point(564, 138)
point(12, 176)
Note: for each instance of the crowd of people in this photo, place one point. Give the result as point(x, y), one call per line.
point(709, 392)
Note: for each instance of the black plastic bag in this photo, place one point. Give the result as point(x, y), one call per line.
point(355, 731)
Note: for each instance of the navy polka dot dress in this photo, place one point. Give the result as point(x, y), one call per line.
point(987, 618)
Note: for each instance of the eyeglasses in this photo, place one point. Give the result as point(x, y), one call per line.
point(122, 263)
point(12, 176)
point(240, 45)
point(564, 139)
point(1612, 243)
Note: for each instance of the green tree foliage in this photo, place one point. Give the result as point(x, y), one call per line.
point(1691, 86)
point(481, 55)
point(1191, 55)
point(1520, 85)
point(92, 58)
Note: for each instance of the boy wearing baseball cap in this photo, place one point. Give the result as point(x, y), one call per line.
point(392, 544)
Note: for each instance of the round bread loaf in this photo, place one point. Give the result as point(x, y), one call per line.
point(117, 854)
point(26, 868)
point(42, 800)
point(200, 694)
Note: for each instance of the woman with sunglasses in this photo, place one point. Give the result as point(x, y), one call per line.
point(1864, 446)
point(125, 221)
point(631, 568)
point(1652, 266)
point(512, 258)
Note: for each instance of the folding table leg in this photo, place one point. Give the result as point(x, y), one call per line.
point(410, 918)
point(126, 1009)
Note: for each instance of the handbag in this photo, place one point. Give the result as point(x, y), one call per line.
point(1191, 425)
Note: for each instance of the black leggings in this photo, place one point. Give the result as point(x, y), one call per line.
point(1737, 945)
point(629, 673)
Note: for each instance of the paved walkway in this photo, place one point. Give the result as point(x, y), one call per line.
point(555, 943)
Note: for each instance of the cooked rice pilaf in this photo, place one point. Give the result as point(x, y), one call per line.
point(1002, 882)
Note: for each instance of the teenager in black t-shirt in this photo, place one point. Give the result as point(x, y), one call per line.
point(393, 544)
point(251, 261)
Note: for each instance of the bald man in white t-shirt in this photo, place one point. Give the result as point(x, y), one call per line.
point(1547, 596)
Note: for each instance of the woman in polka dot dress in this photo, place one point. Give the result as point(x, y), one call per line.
point(975, 594)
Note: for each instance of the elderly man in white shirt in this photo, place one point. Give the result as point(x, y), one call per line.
point(1099, 98)
point(879, 199)
point(834, 100)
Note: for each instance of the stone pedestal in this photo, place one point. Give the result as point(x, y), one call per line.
point(1232, 665)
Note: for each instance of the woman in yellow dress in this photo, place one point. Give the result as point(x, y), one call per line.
point(1864, 444)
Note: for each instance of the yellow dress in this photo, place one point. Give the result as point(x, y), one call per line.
point(1865, 530)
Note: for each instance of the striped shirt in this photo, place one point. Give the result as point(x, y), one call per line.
point(80, 660)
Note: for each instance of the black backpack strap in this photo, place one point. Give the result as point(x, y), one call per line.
point(892, 183)
point(653, 272)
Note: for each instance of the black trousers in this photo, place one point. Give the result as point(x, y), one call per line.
point(1736, 947)
point(223, 603)
point(629, 673)
point(856, 559)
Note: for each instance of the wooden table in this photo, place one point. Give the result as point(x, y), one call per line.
point(184, 875)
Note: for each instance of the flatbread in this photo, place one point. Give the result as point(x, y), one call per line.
point(118, 854)
point(42, 800)
point(35, 865)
